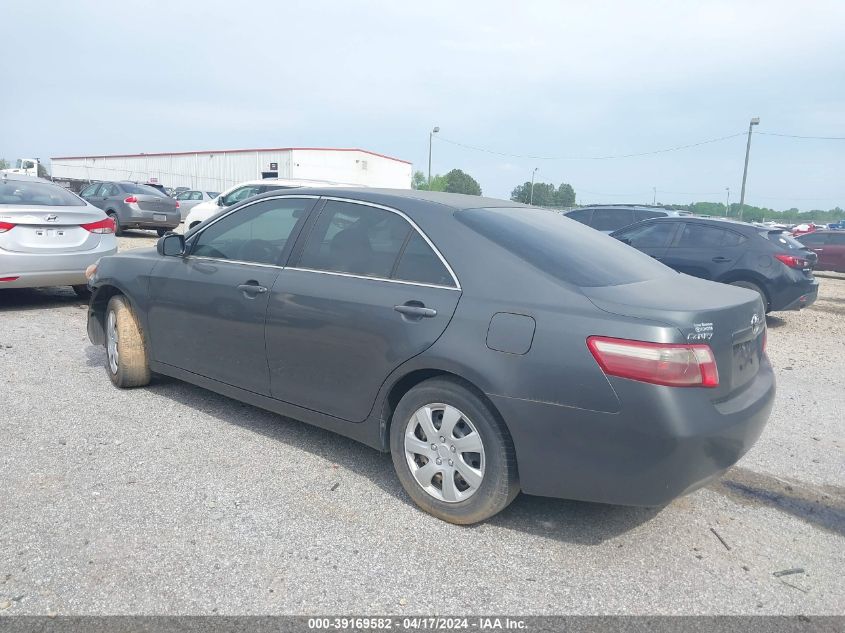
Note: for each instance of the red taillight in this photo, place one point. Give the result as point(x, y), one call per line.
point(9, 278)
point(792, 261)
point(5, 226)
point(674, 365)
point(130, 199)
point(103, 226)
point(177, 204)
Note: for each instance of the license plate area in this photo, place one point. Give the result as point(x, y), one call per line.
point(746, 361)
point(50, 233)
point(159, 217)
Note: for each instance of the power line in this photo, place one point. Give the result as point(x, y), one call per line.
point(821, 138)
point(609, 157)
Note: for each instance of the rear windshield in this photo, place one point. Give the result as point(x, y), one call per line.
point(562, 247)
point(784, 240)
point(143, 190)
point(42, 194)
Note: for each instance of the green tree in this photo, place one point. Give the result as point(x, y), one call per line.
point(459, 182)
point(545, 194)
point(419, 181)
point(4, 164)
point(42, 172)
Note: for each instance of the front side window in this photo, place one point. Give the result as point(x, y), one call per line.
point(355, 239)
point(653, 235)
point(258, 233)
point(194, 195)
point(241, 193)
point(183, 196)
point(36, 193)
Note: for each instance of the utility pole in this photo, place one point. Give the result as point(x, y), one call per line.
point(531, 197)
point(654, 197)
point(727, 201)
point(754, 121)
point(430, 138)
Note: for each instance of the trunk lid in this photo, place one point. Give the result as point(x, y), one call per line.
point(159, 204)
point(49, 229)
point(730, 320)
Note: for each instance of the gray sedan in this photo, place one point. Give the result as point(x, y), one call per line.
point(489, 347)
point(134, 206)
point(49, 236)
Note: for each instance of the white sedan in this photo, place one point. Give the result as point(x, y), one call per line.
point(248, 189)
point(193, 197)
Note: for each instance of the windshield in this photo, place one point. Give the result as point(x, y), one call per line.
point(563, 247)
point(144, 190)
point(784, 240)
point(36, 193)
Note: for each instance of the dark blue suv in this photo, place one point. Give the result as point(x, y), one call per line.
point(767, 261)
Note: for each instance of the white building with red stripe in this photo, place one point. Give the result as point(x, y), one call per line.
point(220, 169)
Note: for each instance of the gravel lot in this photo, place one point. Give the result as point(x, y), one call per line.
point(172, 499)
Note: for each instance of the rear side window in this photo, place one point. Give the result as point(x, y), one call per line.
point(611, 219)
point(355, 239)
point(652, 235)
point(838, 239)
point(569, 251)
point(700, 236)
point(421, 264)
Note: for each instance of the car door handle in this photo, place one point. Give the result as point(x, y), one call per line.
point(415, 310)
point(721, 259)
point(252, 288)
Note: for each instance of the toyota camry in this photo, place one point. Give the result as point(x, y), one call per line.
point(489, 347)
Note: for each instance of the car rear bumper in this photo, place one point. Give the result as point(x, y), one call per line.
point(665, 442)
point(795, 294)
point(139, 218)
point(806, 299)
point(35, 270)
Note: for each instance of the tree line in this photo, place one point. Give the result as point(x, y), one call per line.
point(758, 214)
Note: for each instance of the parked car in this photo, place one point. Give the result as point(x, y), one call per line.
point(614, 217)
point(837, 226)
point(134, 206)
point(567, 365)
point(802, 229)
point(48, 235)
point(191, 198)
point(770, 262)
point(246, 190)
point(829, 246)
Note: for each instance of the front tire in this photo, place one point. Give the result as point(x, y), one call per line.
point(452, 455)
point(126, 354)
point(163, 232)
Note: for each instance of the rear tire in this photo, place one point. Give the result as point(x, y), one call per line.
point(126, 354)
point(434, 477)
point(118, 230)
point(750, 285)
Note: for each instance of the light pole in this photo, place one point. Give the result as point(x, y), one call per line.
point(727, 201)
point(430, 138)
point(531, 196)
point(654, 196)
point(754, 121)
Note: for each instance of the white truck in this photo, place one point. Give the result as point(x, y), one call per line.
point(26, 166)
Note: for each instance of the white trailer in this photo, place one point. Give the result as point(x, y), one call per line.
point(219, 170)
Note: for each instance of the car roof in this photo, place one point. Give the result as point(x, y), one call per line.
point(737, 224)
point(394, 197)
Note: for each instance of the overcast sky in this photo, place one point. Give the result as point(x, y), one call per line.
point(526, 78)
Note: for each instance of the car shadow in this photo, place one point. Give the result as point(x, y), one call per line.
point(774, 321)
point(19, 299)
point(568, 521)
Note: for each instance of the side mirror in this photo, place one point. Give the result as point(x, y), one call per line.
point(171, 245)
